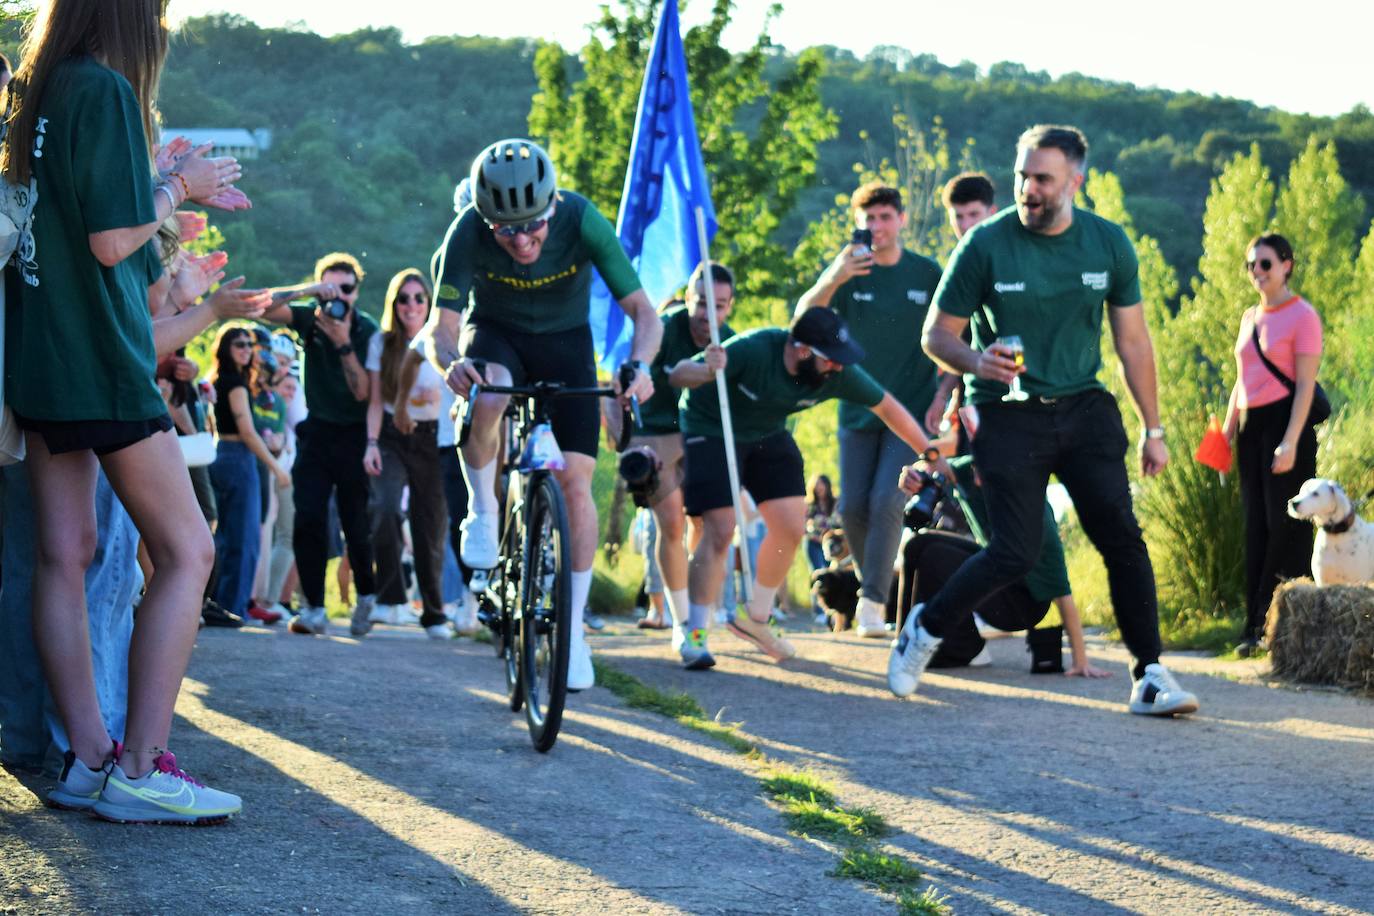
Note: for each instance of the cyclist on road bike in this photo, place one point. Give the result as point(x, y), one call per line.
point(524, 251)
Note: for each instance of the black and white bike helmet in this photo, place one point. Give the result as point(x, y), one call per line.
point(513, 181)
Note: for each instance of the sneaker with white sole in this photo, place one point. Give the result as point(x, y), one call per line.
point(910, 655)
point(695, 655)
point(982, 659)
point(440, 630)
point(465, 617)
point(1158, 694)
point(479, 548)
point(870, 624)
point(750, 630)
point(78, 786)
point(678, 638)
point(581, 674)
point(360, 624)
point(164, 795)
point(310, 621)
point(382, 613)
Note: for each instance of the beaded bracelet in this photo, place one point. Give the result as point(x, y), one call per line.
point(185, 188)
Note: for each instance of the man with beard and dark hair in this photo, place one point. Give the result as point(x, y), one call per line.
point(1043, 272)
point(770, 373)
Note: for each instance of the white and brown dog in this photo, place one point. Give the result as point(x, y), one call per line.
point(1343, 552)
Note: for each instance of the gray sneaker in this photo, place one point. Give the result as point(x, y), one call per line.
point(78, 788)
point(164, 795)
point(310, 621)
point(910, 655)
point(361, 623)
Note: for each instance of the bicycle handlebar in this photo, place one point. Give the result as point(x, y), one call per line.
point(629, 418)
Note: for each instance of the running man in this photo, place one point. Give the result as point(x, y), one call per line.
point(1043, 271)
point(770, 373)
point(524, 252)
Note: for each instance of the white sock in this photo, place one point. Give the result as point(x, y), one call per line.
point(581, 587)
point(761, 601)
point(698, 616)
point(677, 605)
point(481, 488)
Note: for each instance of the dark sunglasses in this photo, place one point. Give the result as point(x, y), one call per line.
point(348, 288)
point(404, 298)
point(1263, 263)
point(510, 232)
point(243, 343)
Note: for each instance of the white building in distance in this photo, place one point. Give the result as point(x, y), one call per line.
point(229, 141)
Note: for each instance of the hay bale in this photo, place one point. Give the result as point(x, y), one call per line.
point(1323, 635)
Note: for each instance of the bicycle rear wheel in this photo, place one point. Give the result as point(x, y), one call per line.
point(545, 609)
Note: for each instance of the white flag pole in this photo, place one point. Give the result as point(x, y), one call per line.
point(726, 427)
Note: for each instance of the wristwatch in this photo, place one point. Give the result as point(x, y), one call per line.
point(931, 454)
point(344, 350)
point(1154, 432)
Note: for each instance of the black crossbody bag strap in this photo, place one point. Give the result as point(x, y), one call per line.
point(1287, 382)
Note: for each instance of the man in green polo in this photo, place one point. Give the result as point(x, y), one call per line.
point(1043, 271)
point(770, 373)
point(686, 333)
point(883, 292)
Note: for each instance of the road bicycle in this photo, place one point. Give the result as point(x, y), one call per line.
point(526, 598)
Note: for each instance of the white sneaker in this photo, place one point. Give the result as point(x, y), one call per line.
point(982, 659)
point(910, 655)
point(679, 637)
point(479, 548)
point(581, 674)
point(310, 621)
point(406, 616)
point(465, 618)
point(1158, 694)
point(383, 613)
point(870, 624)
point(439, 631)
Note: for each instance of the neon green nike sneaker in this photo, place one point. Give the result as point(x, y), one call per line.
point(164, 795)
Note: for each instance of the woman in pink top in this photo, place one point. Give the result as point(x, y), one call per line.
point(1276, 445)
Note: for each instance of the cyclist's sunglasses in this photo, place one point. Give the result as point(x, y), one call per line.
point(511, 231)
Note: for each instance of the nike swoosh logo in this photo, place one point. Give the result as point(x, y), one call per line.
point(182, 796)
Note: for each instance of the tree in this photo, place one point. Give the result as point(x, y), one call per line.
point(759, 139)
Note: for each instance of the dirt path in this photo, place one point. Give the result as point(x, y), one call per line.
point(388, 775)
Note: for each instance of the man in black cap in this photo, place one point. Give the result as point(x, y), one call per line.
point(769, 374)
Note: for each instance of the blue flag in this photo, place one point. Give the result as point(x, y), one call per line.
point(664, 185)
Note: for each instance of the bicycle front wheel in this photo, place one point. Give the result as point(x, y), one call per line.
point(545, 611)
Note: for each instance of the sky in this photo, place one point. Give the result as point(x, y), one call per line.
point(1310, 57)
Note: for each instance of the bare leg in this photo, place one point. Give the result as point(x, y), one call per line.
point(576, 481)
point(150, 479)
point(64, 509)
point(786, 521)
point(706, 568)
point(672, 558)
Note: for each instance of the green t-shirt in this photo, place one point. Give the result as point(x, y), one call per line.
point(762, 393)
point(269, 412)
point(78, 335)
point(552, 294)
point(885, 311)
point(659, 413)
point(1049, 578)
point(1048, 290)
point(326, 389)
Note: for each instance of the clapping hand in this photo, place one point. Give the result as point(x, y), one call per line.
point(191, 225)
point(195, 275)
point(231, 301)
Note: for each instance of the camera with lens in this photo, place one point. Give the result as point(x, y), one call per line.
point(919, 511)
point(639, 467)
point(335, 308)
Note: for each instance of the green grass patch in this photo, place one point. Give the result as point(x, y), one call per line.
point(926, 903)
point(791, 785)
point(727, 733)
point(638, 695)
point(812, 818)
point(886, 872)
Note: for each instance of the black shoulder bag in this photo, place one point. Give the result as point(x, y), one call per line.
point(1320, 410)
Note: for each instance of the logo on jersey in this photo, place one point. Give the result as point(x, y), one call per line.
point(918, 296)
point(1010, 287)
point(536, 283)
point(1096, 281)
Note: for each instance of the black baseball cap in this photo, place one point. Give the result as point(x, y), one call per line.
point(824, 331)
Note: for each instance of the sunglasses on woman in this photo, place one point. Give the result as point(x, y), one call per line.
point(243, 343)
point(1261, 263)
point(405, 299)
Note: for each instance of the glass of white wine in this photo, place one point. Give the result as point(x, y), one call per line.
point(1017, 351)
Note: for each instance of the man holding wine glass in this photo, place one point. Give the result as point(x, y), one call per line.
point(1033, 282)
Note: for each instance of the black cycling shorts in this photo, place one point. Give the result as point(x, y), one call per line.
point(770, 468)
point(562, 356)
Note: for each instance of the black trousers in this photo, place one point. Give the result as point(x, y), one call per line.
point(456, 495)
point(329, 459)
point(927, 561)
point(1079, 439)
point(1277, 547)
